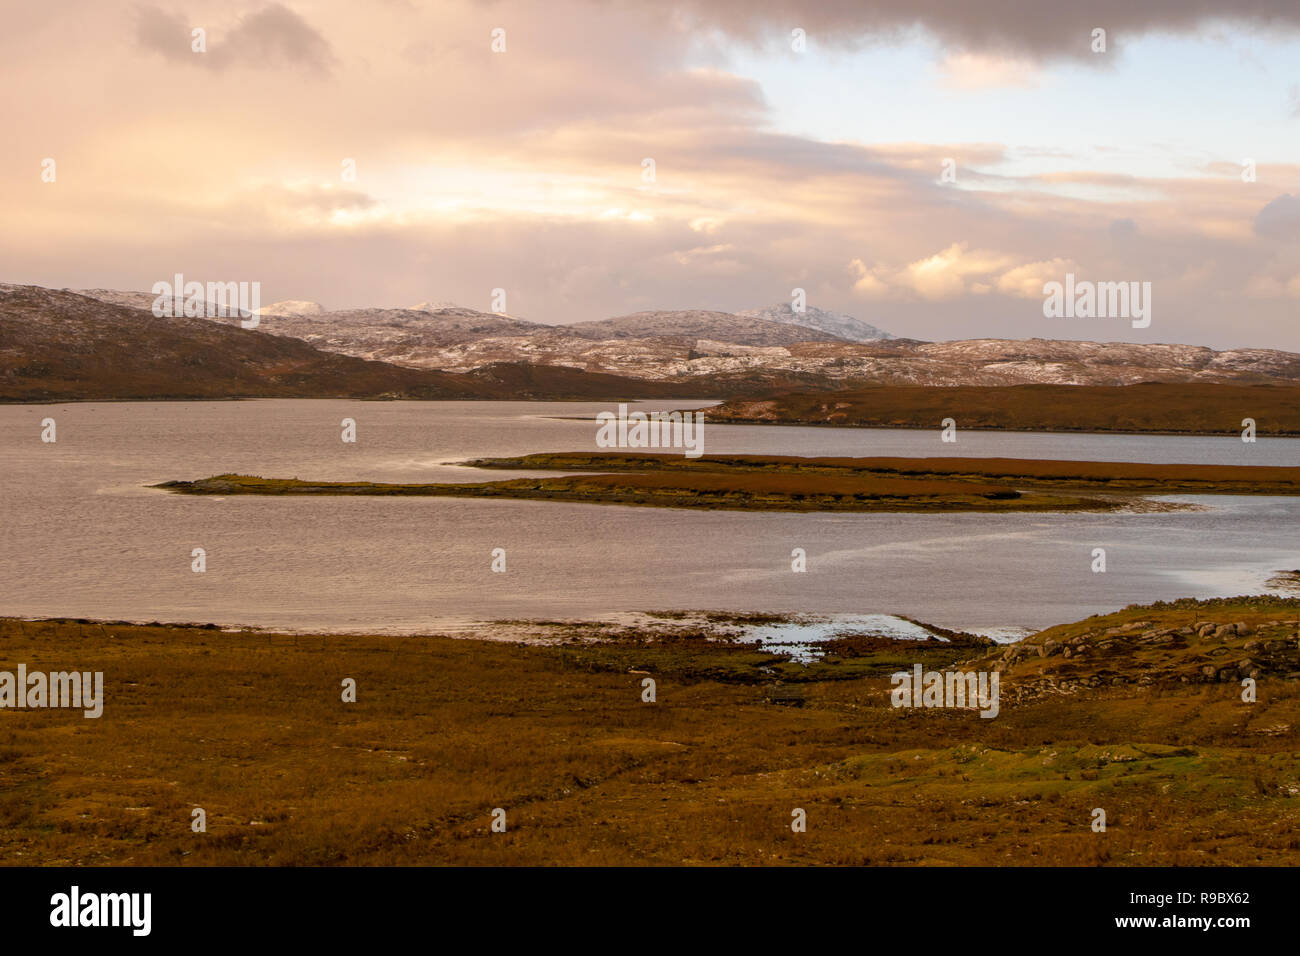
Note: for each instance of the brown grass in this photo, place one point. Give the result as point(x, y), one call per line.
point(789, 483)
point(740, 490)
point(1170, 407)
point(1241, 479)
point(251, 727)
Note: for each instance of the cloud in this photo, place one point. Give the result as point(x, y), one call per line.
point(1027, 281)
point(950, 273)
point(716, 260)
point(166, 34)
point(1280, 219)
point(308, 205)
point(273, 36)
point(523, 170)
point(1035, 28)
point(1278, 279)
point(982, 71)
point(1123, 229)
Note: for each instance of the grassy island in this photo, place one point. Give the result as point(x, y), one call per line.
point(788, 483)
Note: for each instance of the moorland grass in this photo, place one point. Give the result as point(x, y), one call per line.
point(252, 728)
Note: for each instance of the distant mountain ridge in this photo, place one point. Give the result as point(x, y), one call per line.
point(61, 346)
point(700, 324)
point(702, 353)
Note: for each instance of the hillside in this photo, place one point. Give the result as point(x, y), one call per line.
point(835, 323)
point(410, 337)
point(708, 353)
point(61, 346)
point(697, 324)
point(1217, 641)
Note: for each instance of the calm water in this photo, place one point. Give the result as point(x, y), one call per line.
point(82, 535)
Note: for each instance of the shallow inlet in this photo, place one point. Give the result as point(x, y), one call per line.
point(85, 536)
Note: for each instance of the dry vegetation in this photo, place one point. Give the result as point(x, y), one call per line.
point(1174, 407)
point(787, 483)
point(251, 727)
point(701, 489)
point(1128, 477)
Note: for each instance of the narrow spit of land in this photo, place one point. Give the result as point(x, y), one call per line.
point(1183, 408)
point(789, 483)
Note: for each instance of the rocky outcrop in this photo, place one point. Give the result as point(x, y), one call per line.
point(1207, 649)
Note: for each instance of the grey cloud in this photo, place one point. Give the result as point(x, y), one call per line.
point(1280, 219)
point(1044, 28)
point(274, 36)
point(165, 34)
point(276, 33)
point(1123, 229)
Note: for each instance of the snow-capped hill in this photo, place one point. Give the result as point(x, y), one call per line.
point(835, 323)
point(292, 307)
point(699, 324)
point(764, 347)
point(435, 307)
point(410, 337)
point(132, 300)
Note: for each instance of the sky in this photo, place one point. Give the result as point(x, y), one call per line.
point(383, 154)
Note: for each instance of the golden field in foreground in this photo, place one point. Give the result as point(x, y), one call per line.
point(252, 728)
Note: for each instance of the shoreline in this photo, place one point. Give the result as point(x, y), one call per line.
point(794, 422)
point(714, 625)
point(1028, 429)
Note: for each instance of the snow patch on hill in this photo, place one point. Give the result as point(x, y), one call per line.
point(292, 307)
point(834, 323)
